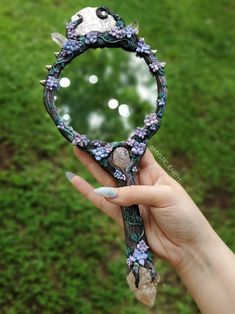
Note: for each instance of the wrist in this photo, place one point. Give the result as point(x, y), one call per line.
point(207, 270)
point(205, 258)
point(198, 252)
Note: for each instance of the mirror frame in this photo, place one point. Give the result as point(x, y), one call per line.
point(126, 38)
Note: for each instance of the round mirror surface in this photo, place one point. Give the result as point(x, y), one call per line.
point(105, 94)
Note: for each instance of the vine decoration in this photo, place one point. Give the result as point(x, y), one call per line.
point(125, 37)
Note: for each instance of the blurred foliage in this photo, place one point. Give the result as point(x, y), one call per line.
point(58, 253)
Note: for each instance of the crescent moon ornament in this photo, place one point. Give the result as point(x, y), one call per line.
point(93, 28)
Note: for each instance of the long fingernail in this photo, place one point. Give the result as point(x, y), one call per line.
point(69, 175)
point(106, 192)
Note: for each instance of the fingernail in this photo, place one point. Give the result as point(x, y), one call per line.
point(106, 192)
point(69, 175)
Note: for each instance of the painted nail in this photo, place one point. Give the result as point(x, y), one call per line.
point(106, 192)
point(69, 175)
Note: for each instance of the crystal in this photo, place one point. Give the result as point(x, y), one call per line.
point(59, 39)
point(92, 23)
point(147, 289)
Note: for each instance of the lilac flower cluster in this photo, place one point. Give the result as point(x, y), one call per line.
point(61, 125)
point(52, 83)
point(141, 132)
point(129, 31)
point(130, 142)
point(102, 152)
point(155, 66)
point(138, 148)
point(140, 254)
point(71, 46)
point(91, 38)
point(108, 148)
point(119, 175)
point(151, 121)
point(142, 246)
point(142, 47)
point(80, 140)
point(70, 28)
point(96, 143)
point(161, 102)
point(119, 33)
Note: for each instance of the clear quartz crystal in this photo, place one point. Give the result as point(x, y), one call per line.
point(92, 23)
point(59, 39)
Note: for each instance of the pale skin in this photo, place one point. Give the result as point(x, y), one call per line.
point(176, 229)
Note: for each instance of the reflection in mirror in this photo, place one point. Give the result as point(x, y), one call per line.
point(105, 94)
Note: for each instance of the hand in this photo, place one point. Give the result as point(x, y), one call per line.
point(175, 228)
point(172, 221)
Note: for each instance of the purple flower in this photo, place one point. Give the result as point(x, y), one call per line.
point(138, 148)
point(141, 132)
point(153, 57)
point(117, 32)
point(119, 175)
point(154, 67)
point(140, 257)
point(142, 47)
point(140, 254)
point(61, 125)
point(153, 127)
point(130, 142)
point(142, 246)
point(161, 102)
point(102, 152)
point(129, 31)
point(80, 140)
point(52, 83)
point(137, 257)
point(70, 28)
point(96, 143)
point(91, 38)
point(71, 46)
point(151, 119)
point(131, 260)
point(108, 148)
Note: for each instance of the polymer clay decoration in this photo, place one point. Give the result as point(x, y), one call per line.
point(101, 28)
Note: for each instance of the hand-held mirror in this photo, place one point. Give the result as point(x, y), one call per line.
point(101, 28)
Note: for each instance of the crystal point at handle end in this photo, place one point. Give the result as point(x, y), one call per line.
point(147, 288)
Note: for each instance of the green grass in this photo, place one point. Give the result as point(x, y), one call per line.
point(58, 253)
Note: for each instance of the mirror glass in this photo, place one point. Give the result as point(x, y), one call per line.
point(105, 94)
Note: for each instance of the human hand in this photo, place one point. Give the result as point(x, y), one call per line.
point(176, 229)
point(173, 222)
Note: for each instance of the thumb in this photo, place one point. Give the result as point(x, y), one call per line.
point(135, 194)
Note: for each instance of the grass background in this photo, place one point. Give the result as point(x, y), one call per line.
point(58, 253)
